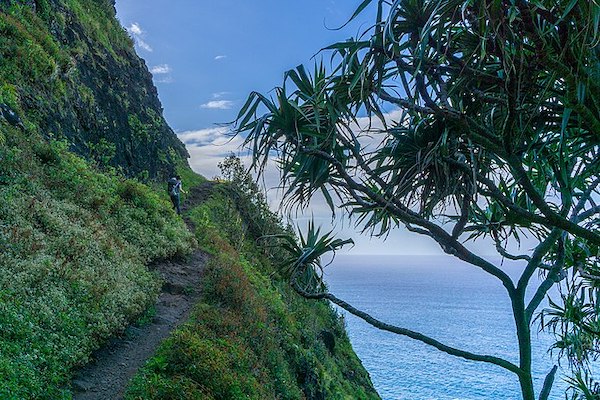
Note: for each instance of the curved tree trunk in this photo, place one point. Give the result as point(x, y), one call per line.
point(524, 339)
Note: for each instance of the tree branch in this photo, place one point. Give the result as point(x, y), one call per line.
point(587, 194)
point(407, 332)
point(586, 214)
point(552, 278)
point(404, 103)
point(536, 259)
point(552, 217)
point(464, 217)
point(495, 193)
point(502, 251)
point(443, 238)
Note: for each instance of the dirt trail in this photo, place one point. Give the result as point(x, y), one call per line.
point(107, 376)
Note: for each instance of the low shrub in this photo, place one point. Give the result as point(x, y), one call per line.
point(251, 336)
point(75, 245)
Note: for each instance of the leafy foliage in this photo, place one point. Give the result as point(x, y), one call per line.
point(260, 223)
point(496, 137)
point(250, 337)
point(75, 244)
point(303, 264)
point(574, 318)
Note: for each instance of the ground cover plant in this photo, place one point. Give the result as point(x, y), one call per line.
point(75, 244)
point(76, 235)
point(250, 336)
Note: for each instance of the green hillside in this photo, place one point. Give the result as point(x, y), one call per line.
point(66, 66)
point(251, 336)
point(83, 213)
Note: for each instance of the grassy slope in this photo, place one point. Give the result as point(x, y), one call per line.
point(251, 337)
point(74, 241)
point(75, 237)
point(75, 244)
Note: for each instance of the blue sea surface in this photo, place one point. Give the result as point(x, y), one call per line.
point(453, 302)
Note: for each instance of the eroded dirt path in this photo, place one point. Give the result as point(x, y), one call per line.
point(113, 366)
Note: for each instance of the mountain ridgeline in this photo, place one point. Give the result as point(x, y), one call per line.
point(85, 217)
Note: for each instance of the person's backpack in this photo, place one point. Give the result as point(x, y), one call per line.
point(172, 186)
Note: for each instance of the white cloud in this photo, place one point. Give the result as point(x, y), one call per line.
point(218, 105)
point(208, 147)
point(218, 95)
point(220, 57)
point(160, 69)
point(202, 137)
point(144, 45)
point(135, 29)
point(137, 33)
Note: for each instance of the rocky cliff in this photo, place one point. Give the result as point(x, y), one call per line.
point(68, 69)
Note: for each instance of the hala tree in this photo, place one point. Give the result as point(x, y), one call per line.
point(498, 138)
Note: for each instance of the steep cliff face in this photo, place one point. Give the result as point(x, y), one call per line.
point(69, 70)
point(75, 239)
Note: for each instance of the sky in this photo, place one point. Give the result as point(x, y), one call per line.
point(207, 56)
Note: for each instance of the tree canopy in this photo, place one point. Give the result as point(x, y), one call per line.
point(498, 137)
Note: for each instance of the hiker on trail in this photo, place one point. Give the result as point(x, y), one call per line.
point(175, 188)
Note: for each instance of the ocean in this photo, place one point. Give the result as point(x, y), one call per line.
point(448, 300)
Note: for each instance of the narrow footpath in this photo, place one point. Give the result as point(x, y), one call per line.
point(113, 366)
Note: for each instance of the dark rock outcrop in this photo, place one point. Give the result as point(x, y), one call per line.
point(99, 91)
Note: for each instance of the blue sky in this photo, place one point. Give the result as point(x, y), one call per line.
point(206, 57)
point(210, 55)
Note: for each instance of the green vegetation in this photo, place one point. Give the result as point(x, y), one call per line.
point(74, 242)
point(65, 68)
point(143, 132)
point(251, 336)
point(76, 236)
point(32, 57)
point(189, 177)
point(498, 138)
point(75, 245)
point(27, 55)
point(101, 27)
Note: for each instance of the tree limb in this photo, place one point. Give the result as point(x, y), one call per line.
point(404, 103)
point(409, 333)
point(443, 238)
point(538, 254)
point(554, 218)
point(502, 251)
point(551, 279)
point(585, 197)
point(587, 214)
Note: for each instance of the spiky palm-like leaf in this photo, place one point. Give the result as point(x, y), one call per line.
point(499, 135)
point(303, 265)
